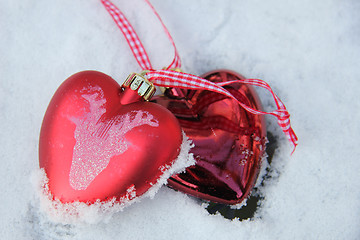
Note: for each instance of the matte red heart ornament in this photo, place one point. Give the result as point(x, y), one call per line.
point(229, 141)
point(99, 140)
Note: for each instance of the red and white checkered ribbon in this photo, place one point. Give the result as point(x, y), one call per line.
point(133, 40)
point(168, 78)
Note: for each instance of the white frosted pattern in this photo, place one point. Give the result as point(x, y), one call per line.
point(98, 141)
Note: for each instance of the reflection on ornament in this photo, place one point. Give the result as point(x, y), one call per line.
point(229, 141)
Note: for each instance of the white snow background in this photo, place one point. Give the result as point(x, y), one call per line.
point(308, 51)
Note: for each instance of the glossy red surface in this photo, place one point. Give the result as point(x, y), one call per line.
point(92, 147)
point(229, 141)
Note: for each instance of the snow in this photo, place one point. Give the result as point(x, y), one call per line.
point(79, 212)
point(306, 50)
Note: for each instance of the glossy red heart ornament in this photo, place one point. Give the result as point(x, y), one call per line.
point(99, 141)
point(229, 141)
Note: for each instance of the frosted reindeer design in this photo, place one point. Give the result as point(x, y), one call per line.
point(98, 141)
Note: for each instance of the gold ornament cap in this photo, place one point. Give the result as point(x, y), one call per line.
point(138, 82)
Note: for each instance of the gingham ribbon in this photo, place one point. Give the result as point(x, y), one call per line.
point(168, 78)
point(133, 40)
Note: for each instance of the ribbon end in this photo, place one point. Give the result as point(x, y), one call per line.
point(295, 145)
point(293, 138)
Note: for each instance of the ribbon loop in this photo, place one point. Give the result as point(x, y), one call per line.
point(130, 35)
point(176, 62)
point(168, 78)
point(133, 40)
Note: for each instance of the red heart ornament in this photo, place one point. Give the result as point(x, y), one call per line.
point(229, 141)
point(98, 141)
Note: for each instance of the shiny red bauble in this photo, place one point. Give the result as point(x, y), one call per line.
point(98, 143)
point(229, 141)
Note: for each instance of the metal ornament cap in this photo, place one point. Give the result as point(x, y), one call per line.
point(229, 141)
point(138, 82)
point(98, 141)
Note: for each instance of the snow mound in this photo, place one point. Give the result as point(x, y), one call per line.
point(102, 211)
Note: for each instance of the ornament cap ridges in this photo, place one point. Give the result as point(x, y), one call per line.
point(139, 83)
